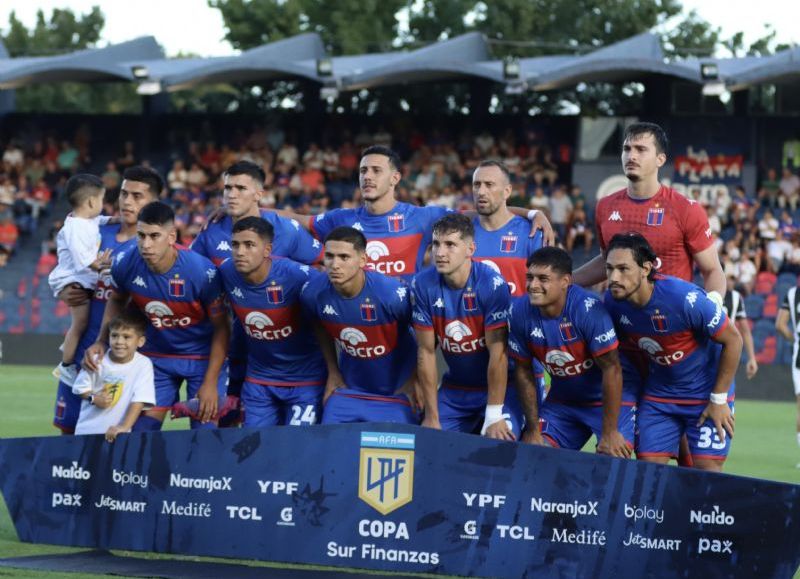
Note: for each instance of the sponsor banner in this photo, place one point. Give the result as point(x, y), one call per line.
point(399, 498)
point(706, 172)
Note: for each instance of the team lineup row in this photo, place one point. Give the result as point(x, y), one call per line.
point(350, 308)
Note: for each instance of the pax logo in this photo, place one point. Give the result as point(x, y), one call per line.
point(456, 339)
point(350, 340)
point(162, 316)
point(66, 500)
point(561, 363)
point(657, 354)
point(377, 252)
point(259, 325)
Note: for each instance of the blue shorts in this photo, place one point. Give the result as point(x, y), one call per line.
point(661, 425)
point(569, 426)
point(464, 410)
point(169, 374)
point(348, 405)
point(66, 409)
point(274, 405)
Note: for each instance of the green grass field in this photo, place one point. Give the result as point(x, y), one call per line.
point(764, 446)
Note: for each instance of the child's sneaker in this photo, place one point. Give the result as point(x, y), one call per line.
point(67, 374)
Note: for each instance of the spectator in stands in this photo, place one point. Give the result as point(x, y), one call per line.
point(579, 228)
point(128, 156)
point(770, 190)
point(777, 251)
point(4, 255)
point(746, 272)
point(768, 226)
point(67, 157)
point(23, 213)
point(9, 234)
point(790, 189)
point(111, 177)
point(792, 263)
point(288, 155)
point(560, 207)
point(177, 176)
point(13, 157)
point(539, 200)
point(196, 178)
point(787, 225)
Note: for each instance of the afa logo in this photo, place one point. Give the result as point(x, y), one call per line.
point(386, 470)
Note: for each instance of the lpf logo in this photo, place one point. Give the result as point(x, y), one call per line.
point(386, 470)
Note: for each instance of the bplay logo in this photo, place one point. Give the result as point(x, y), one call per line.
point(129, 478)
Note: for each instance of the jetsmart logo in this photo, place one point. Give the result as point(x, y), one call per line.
point(209, 484)
point(73, 472)
point(715, 517)
point(350, 339)
point(574, 509)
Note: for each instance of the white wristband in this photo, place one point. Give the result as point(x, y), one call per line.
point(721, 398)
point(532, 214)
point(494, 413)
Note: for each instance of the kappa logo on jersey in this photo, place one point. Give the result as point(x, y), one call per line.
point(438, 303)
point(623, 319)
point(655, 216)
point(709, 233)
point(211, 274)
point(119, 257)
point(589, 303)
point(223, 246)
point(657, 354)
point(328, 309)
point(350, 340)
point(470, 300)
point(401, 293)
point(177, 287)
point(567, 331)
point(615, 216)
point(162, 316)
point(508, 243)
point(358, 226)
point(396, 223)
point(537, 333)
point(660, 323)
point(456, 339)
point(562, 364)
point(493, 265)
point(305, 269)
point(139, 281)
point(315, 243)
point(497, 282)
point(295, 223)
point(257, 325)
point(238, 293)
point(368, 312)
point(691, 297)
point(275, 293)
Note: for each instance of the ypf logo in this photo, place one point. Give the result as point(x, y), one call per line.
point(162, 316)
point(386, 470)
point(350, 339)
point(258, 325)
point(377, 252)
point(561, 363)
point(657, 353)
point(457, 330)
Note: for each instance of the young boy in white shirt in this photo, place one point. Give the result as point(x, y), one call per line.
point(119, 391)
point(79, 263)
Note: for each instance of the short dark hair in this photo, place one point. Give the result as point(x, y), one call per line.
point(348, 235)
point(146, 175)
point(659, 135)
point(129, 318)
point(81, 187)
point(156, 213)
point(496, 163)
point(640, 248)
point(556, 258)
point(257, 225)
point(455, 223)
point(247, 168)
point(394, 158)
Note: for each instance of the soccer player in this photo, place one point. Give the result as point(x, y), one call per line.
point(678, 327)
point(243, 187)
point(734, 307)
point(140, 186)
point(568, 330)
point(180, 293)
point(398, 234)
point(790, 310)
point(462, 305)
point(115, 395)
point(676, 227)
point(285, 369)
point(368, 316)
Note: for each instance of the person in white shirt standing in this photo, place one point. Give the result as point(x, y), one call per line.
point(79, 260)
point(115, 395)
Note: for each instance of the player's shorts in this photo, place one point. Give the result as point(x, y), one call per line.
point(795, 369)
point(237, 358)
point(348, 405)
point(275, 405)
point(571, 426)
point(462, 410)
point(661, 425)
point(66, 409)
point(169, 374)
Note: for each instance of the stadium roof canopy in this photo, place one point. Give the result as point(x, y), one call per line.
point(111, 63)
point(782, 67)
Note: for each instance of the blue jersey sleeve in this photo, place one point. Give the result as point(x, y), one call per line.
point(200, 244)
point(324, 223)
point(597, 327)
point(400, 302)
point(120, 269)
point(308, 297)
point(302, 247)
point(433, 213)
point(421, 304)
point(705, 316)
point(211, 291)
point(517, 332)
point(496, 300)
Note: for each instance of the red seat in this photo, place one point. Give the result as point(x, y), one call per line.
point(765, 282)
point(770, 351)
point(770, 307)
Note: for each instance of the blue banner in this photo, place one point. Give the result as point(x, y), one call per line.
point(398, 498)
